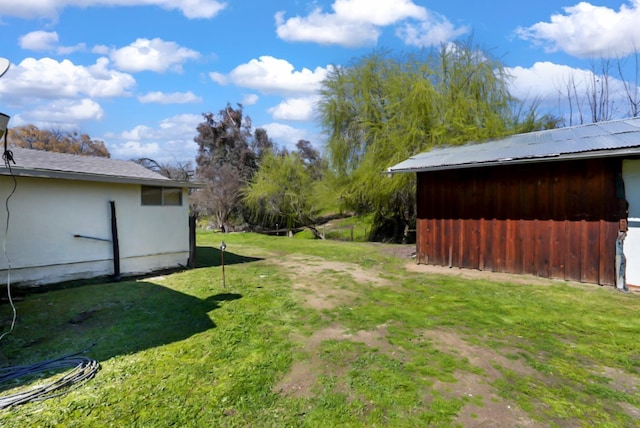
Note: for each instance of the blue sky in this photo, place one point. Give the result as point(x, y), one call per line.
point(138, 74)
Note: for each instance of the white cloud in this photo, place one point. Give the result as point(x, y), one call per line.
point(51, 8)
point(44, 41)
point(249, 99)
point(153, 55)
point(553, 85)
point(270, 75)
point(172, 98)
point(133, 150)
point(66, 50)
point(285, 135)
point(64, 113)
point(48, 78)
point(585, 30)
point(301, 109)
point(378, 12)
point(432, 31)
point(359, 22)
point(101, 50)
point(326, 29)
point(171, 140)
point(176, 127)
point(138, 133)
point(219, 78)
point(39, 41)
point(545, 80)
point(167, 129)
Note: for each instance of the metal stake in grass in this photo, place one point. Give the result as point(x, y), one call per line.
point(223, 247)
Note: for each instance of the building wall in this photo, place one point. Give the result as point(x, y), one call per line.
point(45, 214)
point(554, 219)
point(631, 175)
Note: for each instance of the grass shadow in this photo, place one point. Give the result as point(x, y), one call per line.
point(118, 318)
point(212, 257)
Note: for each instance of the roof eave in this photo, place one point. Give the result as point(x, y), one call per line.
point(65, 175)
point(628, 151)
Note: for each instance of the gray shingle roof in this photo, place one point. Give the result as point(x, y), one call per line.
point(602, 139)
point(38, 163)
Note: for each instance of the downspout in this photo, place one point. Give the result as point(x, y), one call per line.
point(116, 243)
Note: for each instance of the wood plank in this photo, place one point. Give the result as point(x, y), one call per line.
point(573, 237)
point(527, 249)
point(508, 214)
point(603, 251)
point(589, 265)
point(594, 202)
point(559, 193)
point(558, 250)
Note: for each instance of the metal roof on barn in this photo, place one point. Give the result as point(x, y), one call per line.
point(43, 164)
point(602, 139)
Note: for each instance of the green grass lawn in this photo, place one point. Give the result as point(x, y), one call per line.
point(324, 333)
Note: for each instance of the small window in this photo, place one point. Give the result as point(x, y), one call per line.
point(152, 195)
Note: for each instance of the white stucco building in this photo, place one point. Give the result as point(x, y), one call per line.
point(66, 217)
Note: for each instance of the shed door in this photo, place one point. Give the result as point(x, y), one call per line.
point(631, 176)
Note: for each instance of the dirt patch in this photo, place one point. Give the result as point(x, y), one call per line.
point(494, 411)
point(303, 376)
point(317, 267)
point(484, 408)
point(484, 358)
point(318, 281)
point(623, 382)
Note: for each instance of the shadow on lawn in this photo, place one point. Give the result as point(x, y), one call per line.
point(211, 257)
point(119, 318)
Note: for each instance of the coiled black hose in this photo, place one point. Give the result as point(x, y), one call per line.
point(81, 369)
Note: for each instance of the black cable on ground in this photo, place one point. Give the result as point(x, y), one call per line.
point(81, 369)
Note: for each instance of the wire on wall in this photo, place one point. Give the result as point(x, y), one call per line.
point(7, 157)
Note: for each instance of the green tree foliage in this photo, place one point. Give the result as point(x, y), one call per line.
point(30, 137)
point(285, 188)
point(383, 109)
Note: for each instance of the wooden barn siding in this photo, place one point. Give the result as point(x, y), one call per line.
point(555, 219)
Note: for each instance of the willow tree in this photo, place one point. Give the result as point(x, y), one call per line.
point(285, 188)
point(382, 109)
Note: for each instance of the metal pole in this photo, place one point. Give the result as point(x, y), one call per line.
point(223, 247)
point(114, 240)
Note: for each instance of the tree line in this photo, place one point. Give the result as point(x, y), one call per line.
point(377, 111)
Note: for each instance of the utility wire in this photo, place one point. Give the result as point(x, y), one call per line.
point(7, 156)
point(80, 368)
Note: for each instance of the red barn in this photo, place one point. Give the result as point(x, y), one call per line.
point(559, 203)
